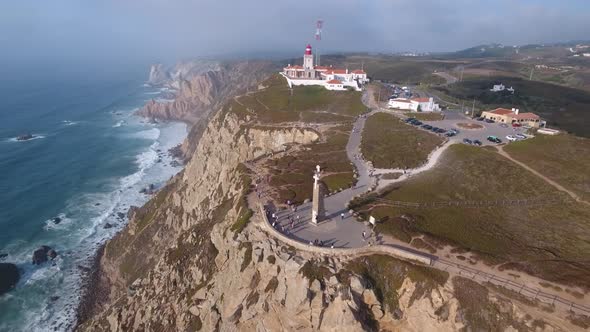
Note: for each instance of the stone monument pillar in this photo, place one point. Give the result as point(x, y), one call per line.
point(317, 207)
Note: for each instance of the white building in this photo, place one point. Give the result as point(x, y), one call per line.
point(414, 104)
point(403, 104)
point(328, 77)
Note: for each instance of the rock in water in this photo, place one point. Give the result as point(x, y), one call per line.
point(52, 254)
point(40, 255)
point(2, 256)
point(24, 137)
point(56, 220)
point(9, 276)
point(107, 226)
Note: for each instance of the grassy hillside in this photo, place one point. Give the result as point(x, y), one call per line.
point(390, 143)
point(277, 105)
point(566, 108)
point(563, 158)
point(549, 240)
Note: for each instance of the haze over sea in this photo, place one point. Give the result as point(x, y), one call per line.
point(86, 165)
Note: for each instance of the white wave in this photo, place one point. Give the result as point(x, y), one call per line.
point(164, 100)
point(151, 134)
point(152, 93)
point(69, 123)
point(63, 223)
point(89, 213)
point(119, 124)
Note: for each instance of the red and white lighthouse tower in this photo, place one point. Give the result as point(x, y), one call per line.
point(308, 58)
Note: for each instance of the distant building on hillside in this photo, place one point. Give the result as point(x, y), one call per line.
point(414, 104)
point(501, 87)
point(328, 77)
point(504, 115)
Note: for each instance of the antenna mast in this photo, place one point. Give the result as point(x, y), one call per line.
point(318, 37)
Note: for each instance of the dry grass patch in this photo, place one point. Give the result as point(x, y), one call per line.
point(431, 116)
point(390, 143)
point(548, 240)
point(563, 158)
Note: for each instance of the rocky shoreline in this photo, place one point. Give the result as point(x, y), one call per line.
point(93, 291)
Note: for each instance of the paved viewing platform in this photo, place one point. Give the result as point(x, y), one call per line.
point(339, 228)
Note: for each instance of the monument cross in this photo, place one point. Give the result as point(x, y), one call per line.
point(317, 207)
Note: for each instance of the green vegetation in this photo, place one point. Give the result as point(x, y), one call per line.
point(315, 270)
point(548, 240)
point(402, 70)
point(386, 275)
point(277, 103)
point(245, 213)
point(563, 158)
point(292, 174)
point(247, 254)
point(479, 312)
point(390, 143)
point(430, 116)
point(561, 106)
point(242, 221)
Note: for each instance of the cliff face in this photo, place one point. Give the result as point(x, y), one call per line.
point(200, 87)
point(184, 263)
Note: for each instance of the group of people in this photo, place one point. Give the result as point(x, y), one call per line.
point(319, 243)
point(292, 222)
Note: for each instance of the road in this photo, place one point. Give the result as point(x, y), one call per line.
point(335, 230)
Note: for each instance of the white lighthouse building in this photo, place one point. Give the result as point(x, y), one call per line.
point(328, 77)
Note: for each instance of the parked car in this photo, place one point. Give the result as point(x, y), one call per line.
point(479, 119)
point(450, 134)
point(410, 120)
point(521, 136)
point(494, 139)
point(441, 131)
point(417, 123)
point(426, 126)
point(477, 142)
point(516, 125)
point(434, 129)
point(455, 131)
point(467, 141)
point(503, 125)
point(511, 138)
point(489, 120)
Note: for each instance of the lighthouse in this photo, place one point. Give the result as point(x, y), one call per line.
point(308, 62)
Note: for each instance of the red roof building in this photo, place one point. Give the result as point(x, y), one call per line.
point(504, 115)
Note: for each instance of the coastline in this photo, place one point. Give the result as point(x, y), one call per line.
point(95, 287)
point(93, 291)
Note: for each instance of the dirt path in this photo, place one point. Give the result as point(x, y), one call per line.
point(546, 179)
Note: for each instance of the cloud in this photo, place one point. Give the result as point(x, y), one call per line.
point(153, 29)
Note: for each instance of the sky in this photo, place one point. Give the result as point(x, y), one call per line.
point(168, 30)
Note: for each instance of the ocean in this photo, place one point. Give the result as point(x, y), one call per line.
point(86, 165)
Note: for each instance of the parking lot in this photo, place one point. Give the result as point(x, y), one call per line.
point(453, 118)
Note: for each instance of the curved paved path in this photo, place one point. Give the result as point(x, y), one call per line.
point(342, 232)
